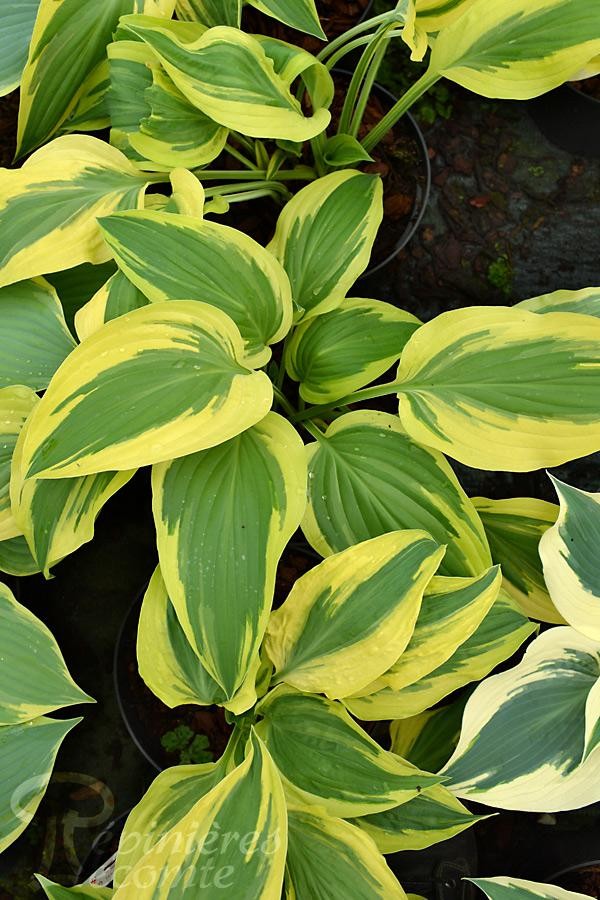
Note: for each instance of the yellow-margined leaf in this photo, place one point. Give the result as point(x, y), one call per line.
point(228, 75)
point(488, 387)
point(35, 337)
point(324, 237)
point(434, 816)
point(514, 528)
point(83, 891)
point(49, 207)
point(167, 801)
point(452, 610)
point(115, 298)
point(368, 477)
point(91, 112)
point(27, 754)
point(160, 382)
point(500, 634)
point(224, 267)
point(328, 857)
point(152, 121)
point(16, 404)
point(347, 620)
point(327, 760)
point(16, 558)
point(242, 821)
point(34, 679)
point(433, 15)
point(340, 351)
point(569, 552)
point(210, 12)
point(508, 888)
point(223, 518)
point(514, 51)
point(57, 515)
point(69, 40)
point(586, 302)
point(530, 737)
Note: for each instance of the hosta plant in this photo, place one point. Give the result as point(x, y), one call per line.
point(250, 113)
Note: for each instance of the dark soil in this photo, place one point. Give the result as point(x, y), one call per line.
point(9, 112)
point(589, 86)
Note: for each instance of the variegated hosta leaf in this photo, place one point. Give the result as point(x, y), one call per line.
point(16, 558)
point(35, 337)
point(224, 267)
point(328, 857)
point(16, 404)
point(339, 352)
point(347, 620)
point(248, 807)
point(328, 761)
point(34, 679)
point(210, 12)
point(428, 739)
point(569, 552)
point(167, 801)
point(487, 386)
point(27, 754)
point(49, 207)
point(433, 15)
point(153, 123)
point(586, 302)
point(78, 285)
point(514, 528)
point(508, 888)
point(530, 736)
point(500, 634)
point(91, 112)
point(69, 40)
point(324, 237)
point(187, 196)
point(161, 382)
point(229, 77)
point(223, 518)
point(299, 14)
point(84, 891)
point(434, 816)
point(17, 18)
point(516, 52)
point(115, 298)
point(57, 515)
point(166, 659)
point(366, 477)
point(452, 610)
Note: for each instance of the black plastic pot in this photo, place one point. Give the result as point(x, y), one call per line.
point(438, 872)
point(569, 119)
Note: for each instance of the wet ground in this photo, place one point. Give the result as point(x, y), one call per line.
point(510, 217)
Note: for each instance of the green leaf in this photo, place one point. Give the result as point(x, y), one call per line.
point(343, 150)
point(17, 18)
point(544, 714)
point(27, 755)
point(368, 477)
point(16, 404)
point(221, 577)
point(324, 237)
point(327, 760)
point(35, 337)
point(299, 14)
point(34, 679)
point(348, 620)
point(340, 351)
point(210, 12)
